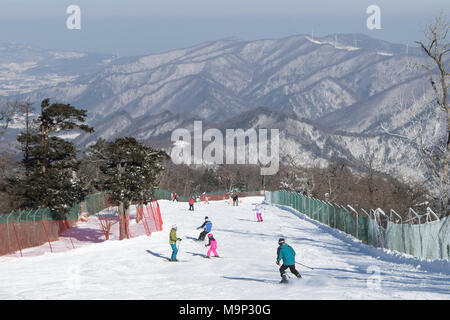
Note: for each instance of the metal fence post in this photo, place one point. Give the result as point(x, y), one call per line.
point(420, 231)
point(429, 211)
point(378, 211)
point(367, 226)
point(357, 222)
point(7, 223)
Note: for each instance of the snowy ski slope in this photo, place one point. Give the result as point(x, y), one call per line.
point(138, 268)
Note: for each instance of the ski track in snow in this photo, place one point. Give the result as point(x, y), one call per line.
point(137, 268)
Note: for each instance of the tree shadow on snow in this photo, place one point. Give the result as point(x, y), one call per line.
point(157, 255)
point(247, 220)
point(250, 279)
point(193, 238)
point(197, 254)
point(85, 234)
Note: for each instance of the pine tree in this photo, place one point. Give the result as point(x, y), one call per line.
point(50, 163)
point(130, 172)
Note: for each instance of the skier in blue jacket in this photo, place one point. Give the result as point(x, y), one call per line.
point(287, 254)
point(207, 226)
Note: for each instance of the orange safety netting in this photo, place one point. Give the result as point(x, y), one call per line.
point(16, 236)
point(150, 216)
point(41, 236)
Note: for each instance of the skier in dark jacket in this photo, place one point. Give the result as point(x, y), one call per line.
point(287, 254)
point(235, 200)
point(207, 225)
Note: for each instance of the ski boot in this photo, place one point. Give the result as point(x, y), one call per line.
point(284, 279)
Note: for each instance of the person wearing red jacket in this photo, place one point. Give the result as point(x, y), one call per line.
point(191, 204)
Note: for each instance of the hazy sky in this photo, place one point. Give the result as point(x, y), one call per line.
point(132, 27)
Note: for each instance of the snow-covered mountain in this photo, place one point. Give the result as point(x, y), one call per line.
point(328, 96)
point(299, 75)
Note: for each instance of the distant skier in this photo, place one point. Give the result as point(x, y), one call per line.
point(191, 204)
point(206, 200)
point(213, 244)
point(173, 242)
point(174, 198)
point(207, 225)
point(235, 200)
point(287, 254)
point(259, 210)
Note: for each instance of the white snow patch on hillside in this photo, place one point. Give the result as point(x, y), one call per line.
point(69, 136)
point(382, 53)
point(335, 45)
point(67, 54)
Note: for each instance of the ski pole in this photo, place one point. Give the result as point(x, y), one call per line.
point(303, 265)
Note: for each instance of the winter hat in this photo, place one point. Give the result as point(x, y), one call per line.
point(174, 227)
point(206, 218)
point(210, 235)
point(281, 241)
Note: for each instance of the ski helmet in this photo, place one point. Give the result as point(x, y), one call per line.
point(281, 241)
point(210, 235)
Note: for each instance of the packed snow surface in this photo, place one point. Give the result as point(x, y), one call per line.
point(137, 268)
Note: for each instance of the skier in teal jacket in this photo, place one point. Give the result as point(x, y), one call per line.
point(287, 254)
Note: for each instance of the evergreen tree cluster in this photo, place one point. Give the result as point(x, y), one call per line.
point(130, 169)
point(50, 164)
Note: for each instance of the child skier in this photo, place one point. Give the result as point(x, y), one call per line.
point(259, 210)
point(173, 242)
point(191, 204)
point(207, 225)
point(174, 197)
point(287, 254)
point(213, 244)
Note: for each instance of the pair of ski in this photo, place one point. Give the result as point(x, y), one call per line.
point(204, 257)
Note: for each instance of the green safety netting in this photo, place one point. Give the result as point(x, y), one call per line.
point(429, 240)
point(96, 202)
point(40, 214)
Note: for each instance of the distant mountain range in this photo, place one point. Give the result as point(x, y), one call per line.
point(329, 98)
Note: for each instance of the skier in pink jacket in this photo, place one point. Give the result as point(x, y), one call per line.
point(213, 244)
